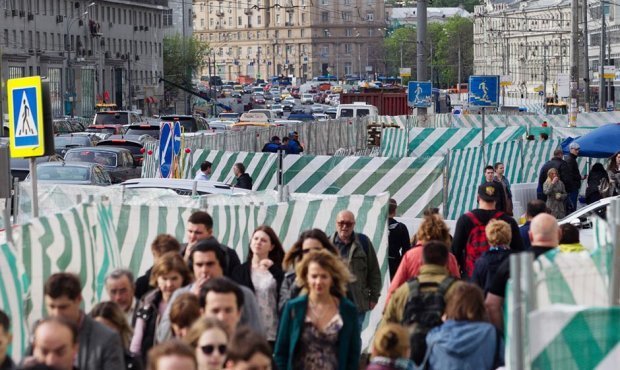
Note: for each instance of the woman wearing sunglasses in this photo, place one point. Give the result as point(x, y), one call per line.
point(209, 339)
point(262, 273)
point(319, 329)
point(309, 240)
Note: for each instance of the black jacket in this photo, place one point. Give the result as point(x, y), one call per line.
point(398, 244)
point(149, 312)
point(596, 175)
point(243, 276)
point(574, 176)
point(142, 285)
point(8, 364)
point(560, 165)
point(500, 203)
point(244, 182)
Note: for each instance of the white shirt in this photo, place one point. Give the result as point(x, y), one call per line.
point(201, 176)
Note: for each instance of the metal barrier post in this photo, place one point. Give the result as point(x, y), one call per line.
point(614, 222)
point(16, 194)
point(280, 175)
point(516, 325)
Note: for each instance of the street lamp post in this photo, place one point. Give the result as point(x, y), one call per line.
point(70, 71)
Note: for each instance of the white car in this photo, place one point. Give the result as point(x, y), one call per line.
point(184, 186)
point(582, 219)
point(307, 99)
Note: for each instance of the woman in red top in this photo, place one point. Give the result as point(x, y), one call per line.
point(432, 228)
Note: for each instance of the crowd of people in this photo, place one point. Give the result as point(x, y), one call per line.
point(200, 307)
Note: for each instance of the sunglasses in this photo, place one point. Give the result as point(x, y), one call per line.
point(345, 223)
point(209, 348)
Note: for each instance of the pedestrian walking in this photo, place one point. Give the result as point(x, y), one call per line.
point(613, 171)
point(598, 184)
point(273, 145)
point(205, 171)
point(573, 183)
point(209, 339)
point(499, 177)
point(390, 349)
point(398, 239)
point(559, 164)
point(499, 236)
point(501, 200)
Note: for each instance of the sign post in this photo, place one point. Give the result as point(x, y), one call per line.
point(420, 94)
point(483, 93)
point(166, 150)
point(30, 125)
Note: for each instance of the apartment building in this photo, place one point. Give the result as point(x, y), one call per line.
point(89, 51)
point(297, 38)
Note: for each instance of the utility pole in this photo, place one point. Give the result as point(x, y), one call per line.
point(609, 83)
point(601, 59)
point(586, 60)
point(574, 63)
point(458, 82)
point(421, 47)
point(545, 46)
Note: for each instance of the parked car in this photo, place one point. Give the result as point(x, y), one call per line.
point(20, 167)
point(331, 112)
point(295, 92)
point(72, 173)
point(287, 105)
point(117, 161)
point(317, 108)
point(221, 125)
point(278, 109)
point(189, 123)
point(228, 116)
point(268, 95)
point(151, 129)
point(67, 126)
point(583, 219)
point(64, 142)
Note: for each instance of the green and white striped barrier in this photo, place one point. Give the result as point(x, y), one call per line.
point(91, 239)
point(14, 298)
point(425, 142)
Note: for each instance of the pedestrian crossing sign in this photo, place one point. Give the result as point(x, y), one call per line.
point(25, 103)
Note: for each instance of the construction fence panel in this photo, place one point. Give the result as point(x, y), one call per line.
point(92, 239)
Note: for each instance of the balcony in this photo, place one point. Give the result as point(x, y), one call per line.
point(219, 13)
point(247, 11)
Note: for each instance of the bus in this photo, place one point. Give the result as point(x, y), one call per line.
point(281, 81)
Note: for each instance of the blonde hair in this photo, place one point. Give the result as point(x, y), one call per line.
point(433, 227)
point(392, 341)
point(498, 232)
point(203, 324)
point(552, 170)
point(336, 268)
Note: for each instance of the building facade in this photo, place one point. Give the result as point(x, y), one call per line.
point(527, 41)
point(89, 51)
point(298, 38)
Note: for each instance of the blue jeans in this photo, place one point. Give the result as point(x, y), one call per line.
point(572, 198)
point(360, 319)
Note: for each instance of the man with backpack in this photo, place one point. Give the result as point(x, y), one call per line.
point(470, 240)
point(419, 304)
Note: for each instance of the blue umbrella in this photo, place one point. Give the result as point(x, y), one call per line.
point(601, 142)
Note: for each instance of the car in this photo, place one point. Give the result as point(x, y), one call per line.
point(221, 125)
point(185, 186)
point(287, 105)
point(134, 143)
point(287, 122)
point(20, 167)
point(236, 95)
point(228, 116)
point(295, 93)
point(307, 99)
point(268, 95)
point(103, 131)
point(120, 118)
point(117, 161)
point(189, 123)
point(264, 115)
point(320, 116)
point(151, 129)
point(317, 108)
point(301, 117)
point(336, 89)
point(64, 142)
point(67, 126)
point(72, 173)
point(285, 94)
point(257, 99)
point(583, 219)
point(278, 109)
point(248, 89)
point(331, 112)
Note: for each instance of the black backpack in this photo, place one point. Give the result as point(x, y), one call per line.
point(423, 311)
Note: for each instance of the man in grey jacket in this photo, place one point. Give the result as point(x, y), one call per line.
point(99, 348)
point(359, 254)
point(207, 261)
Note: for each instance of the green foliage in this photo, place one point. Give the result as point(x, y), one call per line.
point(443, 42)
point(182, 57)
point(467, 4)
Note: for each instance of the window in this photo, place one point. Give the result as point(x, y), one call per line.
point(347, 48)
point(348, 32)
point(347, 16)
point(324, 50)
point(290, 33)
point(347, 68)
point(239, 21)
point(323, 2)
point(326, 33)
point(370, 17)
point(303, 18)
point(302, 32)
point(278, 19)
point(347, 2)
point(325, 17)
point(168, 18)
point(258, 20)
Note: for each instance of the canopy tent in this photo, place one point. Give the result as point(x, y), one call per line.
point(602, 142)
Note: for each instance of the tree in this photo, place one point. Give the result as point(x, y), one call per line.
point(182, 57)
point(404, 37)
point(456, 33)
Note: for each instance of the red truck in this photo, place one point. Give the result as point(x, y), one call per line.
point(392, 103)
